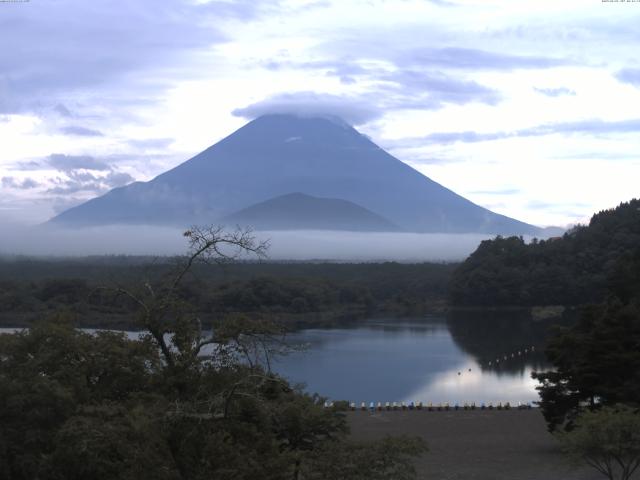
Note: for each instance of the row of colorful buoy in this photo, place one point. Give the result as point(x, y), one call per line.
point(396, 406)
point(519, 353)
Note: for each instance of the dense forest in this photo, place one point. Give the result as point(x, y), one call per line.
point(293, 292)
point(76, 405)
point(597, 360)
point(574, 269)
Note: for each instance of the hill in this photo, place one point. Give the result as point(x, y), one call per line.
point(580, 267)
point(297, 211)
point(275, 155)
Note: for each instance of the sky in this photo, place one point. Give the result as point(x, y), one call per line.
point(528, 108)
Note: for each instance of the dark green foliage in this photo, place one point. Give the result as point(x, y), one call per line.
point(296, 292)
point(596, 362)
point(573, 270)
point(76, 406)
point(607, 439)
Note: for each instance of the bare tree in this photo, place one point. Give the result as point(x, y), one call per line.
point(163, 313)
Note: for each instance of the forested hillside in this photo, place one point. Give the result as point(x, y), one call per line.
point(571, 270)
point(293, 292)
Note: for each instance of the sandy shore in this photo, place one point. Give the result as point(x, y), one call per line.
point(478, 445)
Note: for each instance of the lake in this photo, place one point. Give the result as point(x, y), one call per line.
point(460, 359)
point(428, 360)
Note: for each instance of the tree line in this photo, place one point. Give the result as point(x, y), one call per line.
point(30, 288)
point(574, 269)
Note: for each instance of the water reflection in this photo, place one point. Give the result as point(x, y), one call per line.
point(429, 360)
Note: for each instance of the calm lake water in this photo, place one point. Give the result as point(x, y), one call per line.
point(428, 359)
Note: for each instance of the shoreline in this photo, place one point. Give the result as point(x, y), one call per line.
point(476, 444)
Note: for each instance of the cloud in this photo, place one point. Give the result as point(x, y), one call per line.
point(61, 110)
point(12, 182)
point(67, 163)
point(464, 137)
point(475, 59)
point(555, 92)
point(629, 75)
point(77, 182)
point(151, 143)
point(443, 3)
point(404, 90)
point(58, 48)
point(593, 126)
point(503, 191)
point(568, 209)
point(430, 90)
point(80, 131)
point(79, 177)
point(600, 155)
point(353, 110)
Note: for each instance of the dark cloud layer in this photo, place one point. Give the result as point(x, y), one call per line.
point(80, 131)
point(475, 59)
point(64, 46)
point(352, 110)
point(629, 75)
point(62, 110)
point(425, 79)
point(66, 163)
point(401, 90)
point(12, 182)
point(430, 90)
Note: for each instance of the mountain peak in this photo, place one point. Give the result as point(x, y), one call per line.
point(317, 155)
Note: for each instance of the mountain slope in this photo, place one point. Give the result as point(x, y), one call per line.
point(297, 211)
point(278, 154)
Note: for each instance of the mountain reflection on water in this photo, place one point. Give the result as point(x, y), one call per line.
point(428, 359)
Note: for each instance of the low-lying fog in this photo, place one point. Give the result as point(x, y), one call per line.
point(284, 245)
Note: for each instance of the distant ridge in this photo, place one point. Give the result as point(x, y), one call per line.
point(297, 211)
point(278, 154)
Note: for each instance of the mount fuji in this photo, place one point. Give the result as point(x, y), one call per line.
point(254, 173)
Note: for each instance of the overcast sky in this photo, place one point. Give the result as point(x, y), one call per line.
point(529, 108)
